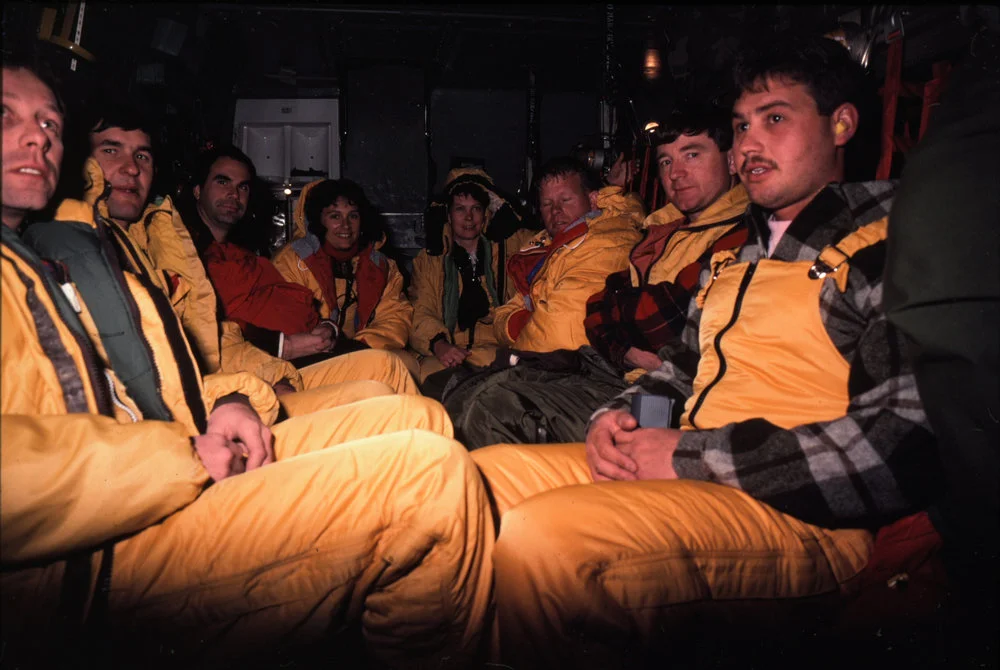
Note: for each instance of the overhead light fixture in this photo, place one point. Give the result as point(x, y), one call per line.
point(288, 188)
point(651, 126)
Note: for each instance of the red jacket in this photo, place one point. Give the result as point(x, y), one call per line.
point(252, 291)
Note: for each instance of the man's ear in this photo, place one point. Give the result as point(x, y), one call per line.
point(592, 197)
point(197, 192)
point(731, 162)
point(845, 123)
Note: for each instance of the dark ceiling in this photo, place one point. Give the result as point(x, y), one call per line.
point(307, 49)
point(189, 62)
point(263, 47)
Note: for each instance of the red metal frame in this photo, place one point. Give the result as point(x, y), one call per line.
point(929, 93)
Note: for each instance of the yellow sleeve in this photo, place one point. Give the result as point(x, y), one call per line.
point(390, 328)
point(73, 481)
point(259, 392)
point(502, 317)
point(238, 355)
point(295, 270)
point(426, 291)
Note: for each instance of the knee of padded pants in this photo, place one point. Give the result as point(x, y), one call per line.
point(429, 414)
point(437, 451)
point(532, 538)
point(369, 388)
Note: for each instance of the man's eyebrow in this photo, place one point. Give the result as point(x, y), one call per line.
point(772, 105)
point(110, 143)
point(764, 108)
point(692, 145)
point(145, 147)
point(52, 107)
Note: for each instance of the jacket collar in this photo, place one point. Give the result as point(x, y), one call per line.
point(834, 212)
point(730, 204)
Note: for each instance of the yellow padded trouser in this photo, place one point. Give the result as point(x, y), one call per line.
point(368, 364)
point(361, 419)
point(392, 532)
point(333, 395)
point(611, 574)
point(408, 359)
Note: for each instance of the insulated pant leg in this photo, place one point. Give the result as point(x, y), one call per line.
point(390, 532)
point(408, 359)
point(513, 473)
point(358, 420)
point(372, 364)
point(614, 574)
point(332, 395)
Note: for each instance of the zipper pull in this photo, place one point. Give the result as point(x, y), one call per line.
point(71, 296)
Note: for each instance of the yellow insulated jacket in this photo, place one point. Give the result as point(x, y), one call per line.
point(669, 252)
point(550, 314)
point(389, 324)
point(427, 294)
point(73, 472)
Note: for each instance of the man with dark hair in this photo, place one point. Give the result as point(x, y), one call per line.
point(455, 292)
point(642, 308)
point(588, 233)
point(173, 528)
point(796, 431)
point(123, 147)
point(220, 187)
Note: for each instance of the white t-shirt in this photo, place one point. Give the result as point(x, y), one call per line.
point(778, 229)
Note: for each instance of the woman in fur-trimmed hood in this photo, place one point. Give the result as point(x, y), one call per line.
point(472, 229)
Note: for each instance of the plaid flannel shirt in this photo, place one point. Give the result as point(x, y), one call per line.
point(646, 317)
point(867, 468)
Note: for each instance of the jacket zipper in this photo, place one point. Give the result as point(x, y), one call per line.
point(102, 227)
point(101, 392)
point(117, 400)
point(717, 342)
point(161, 305)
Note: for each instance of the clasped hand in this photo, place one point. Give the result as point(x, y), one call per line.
point(318, 340)
point(617, 449)
point(235, 441)
point(449, 355)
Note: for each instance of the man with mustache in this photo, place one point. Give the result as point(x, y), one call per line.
point(156, 243)
point(158, 541)
point(797, 431)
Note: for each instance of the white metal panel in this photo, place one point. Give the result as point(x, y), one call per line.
point(289, 134)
